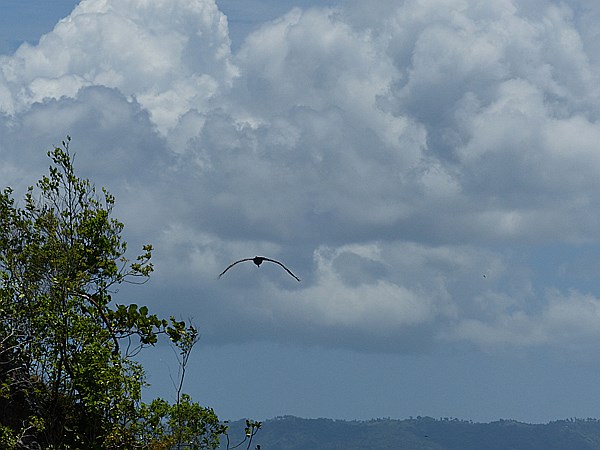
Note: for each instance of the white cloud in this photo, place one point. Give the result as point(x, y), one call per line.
point(569, 321)
point(350, 296)
point(170, 56)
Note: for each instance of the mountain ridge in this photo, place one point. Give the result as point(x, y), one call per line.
point(423, 433)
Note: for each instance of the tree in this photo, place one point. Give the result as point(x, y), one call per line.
point(67, 379)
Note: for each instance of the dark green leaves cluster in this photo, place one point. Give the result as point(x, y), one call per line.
point(67, 380)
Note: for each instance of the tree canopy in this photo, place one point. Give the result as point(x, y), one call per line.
point(67, 376)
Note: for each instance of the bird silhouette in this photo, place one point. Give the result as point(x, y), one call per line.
point(258, 260)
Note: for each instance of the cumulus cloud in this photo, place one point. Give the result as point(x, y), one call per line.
point(392, 154)
point(569, 321)
point(168, 55)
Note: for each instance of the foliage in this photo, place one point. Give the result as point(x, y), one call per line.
point(67, 381)
point(250, 430)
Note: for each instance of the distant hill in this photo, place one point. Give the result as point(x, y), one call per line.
point(422, 433)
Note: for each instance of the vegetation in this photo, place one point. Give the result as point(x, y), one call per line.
point(67, 377)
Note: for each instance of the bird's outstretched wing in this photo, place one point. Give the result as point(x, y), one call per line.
point(286, 269)
point(233, 264)
point(260, 260)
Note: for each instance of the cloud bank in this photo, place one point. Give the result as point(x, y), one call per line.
point(391, 155)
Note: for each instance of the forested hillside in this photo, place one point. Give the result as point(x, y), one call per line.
point(424, 433)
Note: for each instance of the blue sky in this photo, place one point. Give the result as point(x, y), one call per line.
point(390, 153)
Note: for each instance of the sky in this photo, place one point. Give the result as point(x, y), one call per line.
point(427, 168)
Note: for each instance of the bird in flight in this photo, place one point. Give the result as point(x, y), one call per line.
point(258, 260)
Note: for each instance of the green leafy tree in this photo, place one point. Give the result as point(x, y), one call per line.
point(67, 377)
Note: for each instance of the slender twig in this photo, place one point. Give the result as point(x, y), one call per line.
point(103, 316)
